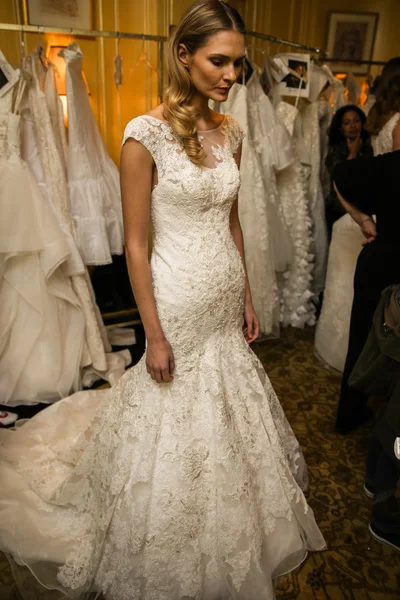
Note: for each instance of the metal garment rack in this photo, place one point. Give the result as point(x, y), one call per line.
point(277, 40)
point(93, 33)
point(357, 62)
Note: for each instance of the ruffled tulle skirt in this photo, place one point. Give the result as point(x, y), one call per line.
point(41, 319)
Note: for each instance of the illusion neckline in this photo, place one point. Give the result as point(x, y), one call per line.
point(200, 131)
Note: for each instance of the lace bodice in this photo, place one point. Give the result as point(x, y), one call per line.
point(383, 142)
point(192, 241)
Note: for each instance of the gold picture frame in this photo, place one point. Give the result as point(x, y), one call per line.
point(74, 14)
point(351, 37)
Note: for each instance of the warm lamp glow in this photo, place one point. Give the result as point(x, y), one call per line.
point(59, 63)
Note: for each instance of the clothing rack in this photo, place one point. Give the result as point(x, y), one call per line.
point(277, 40)
point(93, 33)
point(356, 62)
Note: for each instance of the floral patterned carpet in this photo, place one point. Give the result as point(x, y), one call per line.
point(354, 567)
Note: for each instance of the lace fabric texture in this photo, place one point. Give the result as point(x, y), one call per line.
point(93, 178)
point(383, 142)
point(187, 490)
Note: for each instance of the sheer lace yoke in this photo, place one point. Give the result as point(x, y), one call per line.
point(213, 142)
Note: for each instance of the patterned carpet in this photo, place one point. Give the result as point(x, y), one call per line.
point(354, 567)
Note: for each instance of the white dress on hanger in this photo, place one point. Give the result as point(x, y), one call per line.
point(310, 117)
point(93, 178)
point(273, 145)
point(168, 491)
point(46, 163)
point(253, 215)
point(295, 284)
point(55, 108)
point(41, 319)
point(332, 333)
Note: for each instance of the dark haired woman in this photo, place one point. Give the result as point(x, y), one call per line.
point(348, 139)
point(182, 481)
point(377, 263)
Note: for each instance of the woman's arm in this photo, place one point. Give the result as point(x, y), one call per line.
point(365, 221)
point(396, 137)
point(252, 328)
point(136, 181)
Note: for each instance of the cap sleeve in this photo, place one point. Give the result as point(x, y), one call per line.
point(235, 133)
point(143, 130)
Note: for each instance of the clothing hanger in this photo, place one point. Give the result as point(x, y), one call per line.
point(118, 64)
point(143, 58)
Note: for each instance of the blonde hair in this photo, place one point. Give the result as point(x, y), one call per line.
point(202, 20)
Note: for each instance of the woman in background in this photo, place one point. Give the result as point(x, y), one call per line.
point(377, 265)
point(348, 139)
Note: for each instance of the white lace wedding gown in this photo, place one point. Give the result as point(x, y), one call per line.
point(190, 489)
point(332, 333)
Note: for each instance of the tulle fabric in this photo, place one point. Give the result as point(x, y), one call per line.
point(93, 178)
point(41, 320)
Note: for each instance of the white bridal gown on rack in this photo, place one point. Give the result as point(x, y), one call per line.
point(310, 117)
point(42, 152)
point(295, 284)
point(190, 489)
point(93, 178)
point(332, 334)
point(41, 319)
point(253, 214)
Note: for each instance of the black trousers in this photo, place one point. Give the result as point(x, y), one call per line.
point(377, 267)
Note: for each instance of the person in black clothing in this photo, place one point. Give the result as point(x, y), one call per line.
point(348, 139)
point(365, 187)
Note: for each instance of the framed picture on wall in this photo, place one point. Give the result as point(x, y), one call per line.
point(351, 36)
point(61, 13)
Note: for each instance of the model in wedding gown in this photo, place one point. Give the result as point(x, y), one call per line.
point(183, 480)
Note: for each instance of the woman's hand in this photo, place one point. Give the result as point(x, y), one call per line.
point(160, 363)
point(354, 146)
point(251, 327)
point(368, 229)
